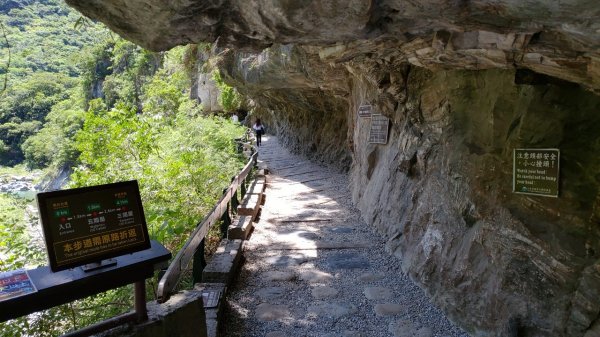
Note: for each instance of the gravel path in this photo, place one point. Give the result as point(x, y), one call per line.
point(314, 268)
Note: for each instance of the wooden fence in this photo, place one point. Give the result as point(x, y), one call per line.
point(194, 247)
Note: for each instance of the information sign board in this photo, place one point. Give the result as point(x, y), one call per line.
point(90, 224)
point(379, 129)
point(365, 111)
point(536, 171)
point(15, 283)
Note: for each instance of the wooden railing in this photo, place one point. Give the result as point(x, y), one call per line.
point(194, 247)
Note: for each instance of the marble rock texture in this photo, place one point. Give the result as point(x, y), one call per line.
point(463, 84)
point(558, 38)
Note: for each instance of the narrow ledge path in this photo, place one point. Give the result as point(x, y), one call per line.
point(313, 268)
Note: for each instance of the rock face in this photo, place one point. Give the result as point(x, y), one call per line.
point(561, 39)
point(463, 84)
point(297, 97)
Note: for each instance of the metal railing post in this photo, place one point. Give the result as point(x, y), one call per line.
point(140, 301)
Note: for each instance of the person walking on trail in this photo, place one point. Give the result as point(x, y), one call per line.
point(259, 129)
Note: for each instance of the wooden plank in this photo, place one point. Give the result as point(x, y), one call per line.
point(304, 220)
point(299, 174)
point(69, 285)
point(169, 281)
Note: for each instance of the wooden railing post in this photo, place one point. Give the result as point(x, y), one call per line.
point(193, 250)
point(225, 219)
point(243, 188)
point(199, 262)
point(234, 199)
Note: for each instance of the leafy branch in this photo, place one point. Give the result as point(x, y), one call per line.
point(5, 81)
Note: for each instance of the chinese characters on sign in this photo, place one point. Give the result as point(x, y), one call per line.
point(365, 111)
point(75, 248)
point(86, 225)
point(536, 171)
point(379, 129)
point(14, 284)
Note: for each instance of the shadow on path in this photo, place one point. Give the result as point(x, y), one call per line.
point(314, 268)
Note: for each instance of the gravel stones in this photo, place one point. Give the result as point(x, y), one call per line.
point(276, 334)
point(371, 277)
point(343, 285)
point(270, 293)
point(378, 293)
point(341, 230)
point(335, 310)
point(315, 276)
point(324, 292)
point(270, 312)
point(404, 328)
point(347, 261)
point(388, 309)
point(285, 261)
point(279, 276)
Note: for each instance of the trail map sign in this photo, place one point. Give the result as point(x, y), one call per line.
point(379, 129)
point(15, 283)
point(365, 111)
point(90, 224)
point(536, 171)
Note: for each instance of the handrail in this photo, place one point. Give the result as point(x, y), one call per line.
point(173, 274)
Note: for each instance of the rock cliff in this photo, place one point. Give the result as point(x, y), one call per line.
point(463, 84)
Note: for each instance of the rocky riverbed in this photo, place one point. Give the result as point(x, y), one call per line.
point(10, 183)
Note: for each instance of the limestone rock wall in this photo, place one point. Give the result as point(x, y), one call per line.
point(559, 38)
point(440, 190)
point(500, 264)
point(297, 97)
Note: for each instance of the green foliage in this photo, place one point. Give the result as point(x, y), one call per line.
point(33, 98)
point(95, 63)
point(132, 67)
point(116, 112)
point(43, 37)
point(17, 251)
point(162, 96)
point(54, 143)
point(13, 134)
point(229, 98)
point(181, 165)
point(39, 59)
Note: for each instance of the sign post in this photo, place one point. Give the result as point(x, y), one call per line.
point(536, 171)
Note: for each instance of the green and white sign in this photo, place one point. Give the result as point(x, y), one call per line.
point(536, 171)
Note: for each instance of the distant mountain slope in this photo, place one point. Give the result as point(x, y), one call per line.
point(43, 42)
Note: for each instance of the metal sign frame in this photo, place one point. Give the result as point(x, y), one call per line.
point(121, 223)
